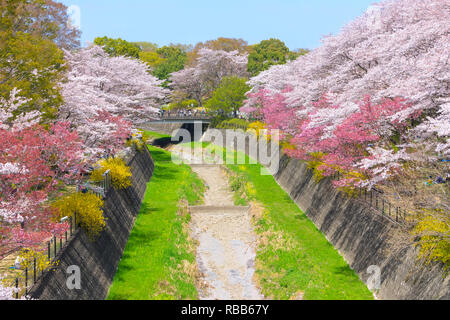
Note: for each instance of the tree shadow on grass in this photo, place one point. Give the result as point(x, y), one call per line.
point(140, 239)
point(160, 155)
point(146, 209)
point(165, 174)
point(164, 142)
point(301, 217)
point(347, 272)
point(118, 297)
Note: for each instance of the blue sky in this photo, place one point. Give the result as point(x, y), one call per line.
point(299, 23)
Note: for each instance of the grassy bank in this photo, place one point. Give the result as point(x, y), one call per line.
point(159, 259)
point(156, 135)
point(294, 259)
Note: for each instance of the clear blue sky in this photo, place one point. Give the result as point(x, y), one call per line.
point(299, 23)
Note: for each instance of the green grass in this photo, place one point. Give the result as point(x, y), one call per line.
point(157, 135)
point(295, 256)
point(153, 266)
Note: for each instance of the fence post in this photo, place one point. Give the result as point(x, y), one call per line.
point(105, 182)
point(26, 280)
point(34, 270)
point(17, 288)
point(54, 245)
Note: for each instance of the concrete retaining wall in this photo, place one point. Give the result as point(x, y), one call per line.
point(98, 260)
point(162, 127)
point(361, 235)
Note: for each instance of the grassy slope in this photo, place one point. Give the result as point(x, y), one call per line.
point(295, 257)
point(154, 261)
point(157, 135)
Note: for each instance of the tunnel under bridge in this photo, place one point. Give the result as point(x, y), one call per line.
point(170, 126)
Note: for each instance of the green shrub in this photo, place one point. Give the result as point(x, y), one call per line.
point(217, 120)
point(185, 105)
point(234, 124)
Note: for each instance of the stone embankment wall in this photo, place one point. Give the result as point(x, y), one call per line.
point(98, 260)
point(162, 127)
point(361, 234)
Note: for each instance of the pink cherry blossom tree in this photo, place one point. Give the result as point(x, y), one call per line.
point(211, 67)
point(16, 122)
point(34, 163)
point(396, 54)
point(105, 96)
point(6, 293)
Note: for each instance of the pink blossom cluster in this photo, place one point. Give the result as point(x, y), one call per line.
point(211, 67)
point(368, 95)
point(6, 293)
point(34, 162)
point(105, 96)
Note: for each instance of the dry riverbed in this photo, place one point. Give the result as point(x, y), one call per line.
point(226, 251)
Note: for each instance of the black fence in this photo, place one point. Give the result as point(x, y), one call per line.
point(29, 276)
point(376, 200)
point(233, 126)
point(197, 116)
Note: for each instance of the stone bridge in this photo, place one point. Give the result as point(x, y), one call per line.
point(169, 125)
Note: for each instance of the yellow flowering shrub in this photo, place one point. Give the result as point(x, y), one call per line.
point(145, 137)
point(352, 191)
point(138, 139)
point(88, 208)
point(27, 257)
point(433, 229)
point(257, 127)
point(286, 145)
point(120, 173)
point(314, 165)
point(317, 163)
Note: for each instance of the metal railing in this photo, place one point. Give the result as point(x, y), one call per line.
point(187, 117)
point(233, 126)
point(30, 275)
point(376, 200)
